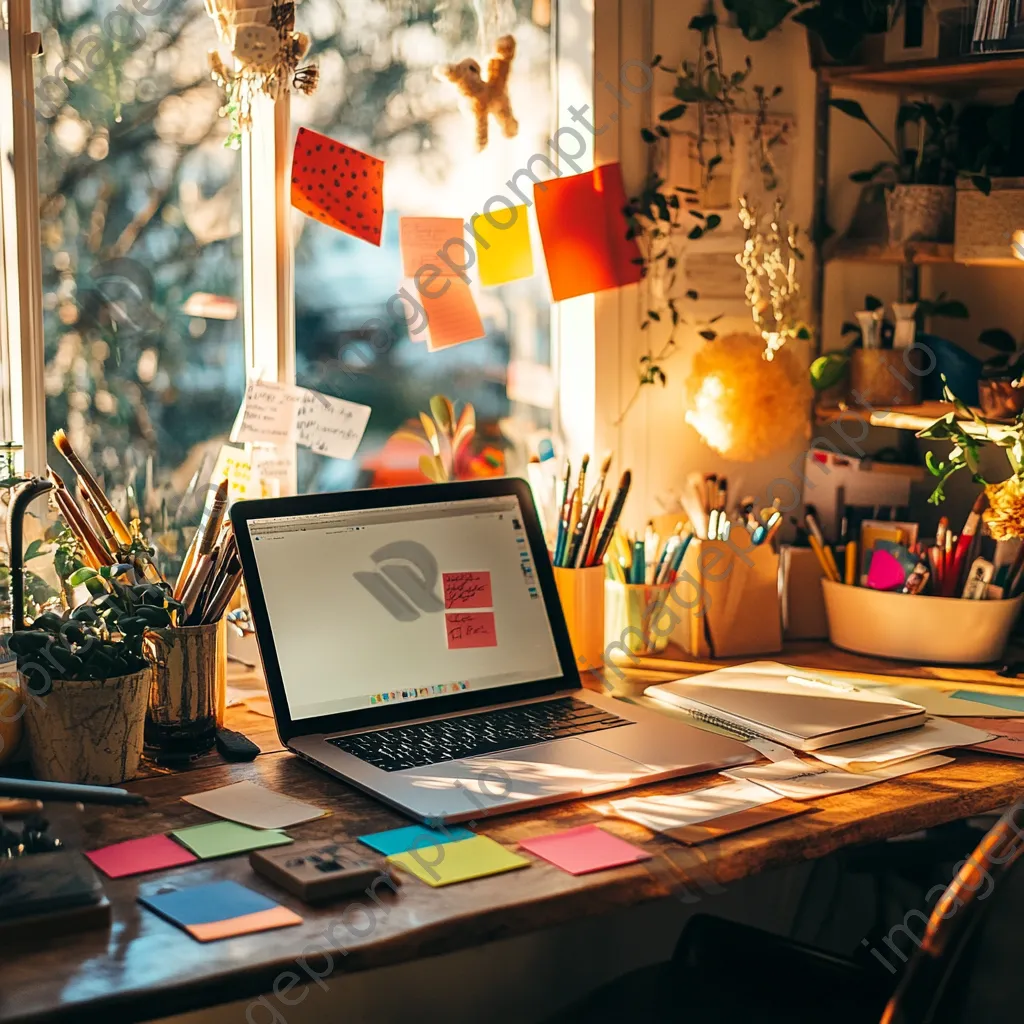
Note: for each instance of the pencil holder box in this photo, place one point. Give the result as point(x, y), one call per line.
point(581, 592)
point(918, 627)
point(636, 615)
point(803, 603)
point(726, 599)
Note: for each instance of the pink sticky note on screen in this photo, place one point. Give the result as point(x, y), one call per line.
point(467, 590)
point(470, 629)
point(136, 856)
point(582, 850)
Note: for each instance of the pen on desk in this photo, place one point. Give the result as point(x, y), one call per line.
point(68, 792)
point(611, 518)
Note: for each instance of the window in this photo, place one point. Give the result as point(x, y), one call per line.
point(140, 221)
point(378, 93)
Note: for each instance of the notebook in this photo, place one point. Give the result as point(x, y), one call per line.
point(804, 710)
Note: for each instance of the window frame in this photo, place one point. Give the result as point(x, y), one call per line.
point(268, 306)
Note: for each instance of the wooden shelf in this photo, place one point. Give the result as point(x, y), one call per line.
point(909, 417)
point(952, 77)
point(855, 251)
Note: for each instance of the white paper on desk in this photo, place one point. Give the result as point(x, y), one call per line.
point(770, 749)
point(805, 780)
point(330, 426)
point(253, 805)
point(871, 754)
point(939, 702)
point(659, 813)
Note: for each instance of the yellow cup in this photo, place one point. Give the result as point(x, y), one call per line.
point(582, 595)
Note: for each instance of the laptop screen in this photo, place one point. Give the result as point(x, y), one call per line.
point(385, 605)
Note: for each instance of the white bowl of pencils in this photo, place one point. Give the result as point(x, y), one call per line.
point(918, 627)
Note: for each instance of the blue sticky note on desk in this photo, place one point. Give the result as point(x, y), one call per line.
point(996, 700)
point(413, 837)
point(219, 910)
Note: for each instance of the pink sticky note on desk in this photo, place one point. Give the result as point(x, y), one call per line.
point(1009, 734)
point(470, 629)
point(137, 856)
point(467, 590)
point(582, 850)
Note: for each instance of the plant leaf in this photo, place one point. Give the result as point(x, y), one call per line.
point(673, 113)
point(433, 468)
point(80, 576)
point(431, 431)
point(1000, 340)
point(443, 412)
point(828, 370)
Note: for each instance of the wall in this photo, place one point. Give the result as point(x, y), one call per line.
point(654, 441)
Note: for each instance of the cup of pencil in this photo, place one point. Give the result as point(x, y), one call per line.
point(635, 615)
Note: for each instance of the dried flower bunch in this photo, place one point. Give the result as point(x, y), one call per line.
point(769, 261)
point(266, 50)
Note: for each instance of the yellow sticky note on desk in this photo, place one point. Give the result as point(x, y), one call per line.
point(446, 863)
point(503, 251)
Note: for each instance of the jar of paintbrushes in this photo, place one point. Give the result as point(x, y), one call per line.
point(186, 703)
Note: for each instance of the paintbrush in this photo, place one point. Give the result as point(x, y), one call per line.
point(109, 513)
point(590, 515)
point(199, 541)
point(94, 515)
point(93, 549)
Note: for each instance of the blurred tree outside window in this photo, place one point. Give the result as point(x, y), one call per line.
point(140, 210)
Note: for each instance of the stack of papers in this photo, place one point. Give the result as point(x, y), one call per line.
point(880, 751)
point(661, 813)
point(1007, 733)
point(804, 780)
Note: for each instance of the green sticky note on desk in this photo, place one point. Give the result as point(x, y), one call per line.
point(224, 838)
point(459, 862)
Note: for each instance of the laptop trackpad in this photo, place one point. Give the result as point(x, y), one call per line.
point(567, 766)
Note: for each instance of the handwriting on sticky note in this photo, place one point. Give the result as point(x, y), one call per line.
point(268, 414)
point(452, 317)
point(330, 426)
point(422, 239)
point(467, 589)
point(233, 464)
point(470, 629)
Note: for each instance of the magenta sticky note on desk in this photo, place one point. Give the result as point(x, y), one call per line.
point(137, 856)
point(582, 850)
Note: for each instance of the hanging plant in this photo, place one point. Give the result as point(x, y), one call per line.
point(266, 51)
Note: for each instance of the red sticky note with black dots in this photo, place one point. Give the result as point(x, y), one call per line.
point(338, 185)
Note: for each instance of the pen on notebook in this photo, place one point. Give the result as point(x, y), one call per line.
point(612, 517)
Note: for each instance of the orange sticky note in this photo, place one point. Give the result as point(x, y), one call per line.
point(338, 185)
point(470, 629)
point(583, 231)
point(451, 315)
point(428, 244)
point(503, 251)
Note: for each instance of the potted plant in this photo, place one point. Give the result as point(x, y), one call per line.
point(999, 392)
point(838, 31)
point(86, 675)
point(918, 181)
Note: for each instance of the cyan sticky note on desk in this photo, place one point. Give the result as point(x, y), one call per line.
point(413, 837)
point(996, 700)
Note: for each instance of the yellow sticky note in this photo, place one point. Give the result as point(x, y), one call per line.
point(235, 466)
point(446, 863)
point(504, 252)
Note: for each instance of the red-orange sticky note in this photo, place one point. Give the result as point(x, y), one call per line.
point(338, 185)
point(583, 231)
point(467, 589)
point(451, 316)
point(470, 629)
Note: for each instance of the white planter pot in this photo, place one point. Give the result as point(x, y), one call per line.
point(920, 213)
point(88, 732)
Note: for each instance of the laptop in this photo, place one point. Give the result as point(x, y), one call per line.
point(414, 646)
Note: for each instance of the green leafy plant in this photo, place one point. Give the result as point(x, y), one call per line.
point(840, 24)
point(101, 639)
point(924, 159)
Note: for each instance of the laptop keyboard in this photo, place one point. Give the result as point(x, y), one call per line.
point(414, 746)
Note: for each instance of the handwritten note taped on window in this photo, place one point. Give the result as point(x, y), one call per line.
point(281, 413)
point(470, 629)
point(467, 590)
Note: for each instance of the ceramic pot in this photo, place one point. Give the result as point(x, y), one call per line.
point(883, 378)
point(920, 213)
point(999, 399)
point(87, 731)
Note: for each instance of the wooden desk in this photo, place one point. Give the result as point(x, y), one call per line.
point(145, 968)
